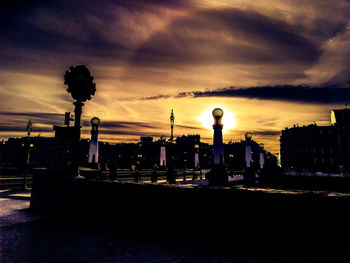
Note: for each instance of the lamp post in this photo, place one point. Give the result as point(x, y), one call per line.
point(162, 158)
point(249, 173)
point(218, 175)
point(93, 150)
point(231, 163)
point(26, 173)
point(218, 145)
point(196, 156)
point(248, 149)
point(81, 86)
point(261, 156)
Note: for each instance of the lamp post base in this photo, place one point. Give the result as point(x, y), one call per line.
point(218, 175)
point(75, 173)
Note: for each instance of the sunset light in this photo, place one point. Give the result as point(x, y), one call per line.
point(228, 120)
point(162, 126)
point(266, 66)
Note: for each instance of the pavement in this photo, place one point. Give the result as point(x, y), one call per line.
point(31, 237)
point(14, 208)
point(40, 238)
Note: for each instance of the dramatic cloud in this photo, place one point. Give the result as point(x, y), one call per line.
point(43, 124)
point(157, 97)
point(302, 94)
point(227, 36)
point(23, 129)
point(17, 121)
point(183, 50)
point(267, 133)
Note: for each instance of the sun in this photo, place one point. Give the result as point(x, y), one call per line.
point(228, 120)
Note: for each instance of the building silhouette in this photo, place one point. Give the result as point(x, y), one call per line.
point(235, 155)
point(314, 148)
point(56, 153)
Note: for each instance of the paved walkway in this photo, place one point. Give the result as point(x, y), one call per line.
point(30, 237)
point(14, 207)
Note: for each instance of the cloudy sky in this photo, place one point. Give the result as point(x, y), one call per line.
point(268, 64)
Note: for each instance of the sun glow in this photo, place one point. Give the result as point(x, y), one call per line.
point(228, 120)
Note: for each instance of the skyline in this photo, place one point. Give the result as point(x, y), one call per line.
point(271, 64)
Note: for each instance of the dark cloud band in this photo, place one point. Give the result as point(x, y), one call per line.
point(303, 94)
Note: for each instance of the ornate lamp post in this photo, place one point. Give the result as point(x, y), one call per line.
point(162, 151)
point(261, 156)
point(248, 149)
point(218, 145)
point(218, 175)
point(93, 150)
point(196, 156)
point(249, 172)
point(81, 86)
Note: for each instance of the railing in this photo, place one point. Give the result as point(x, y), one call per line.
point(14, 181)
point(294, 173)
point(17, 180)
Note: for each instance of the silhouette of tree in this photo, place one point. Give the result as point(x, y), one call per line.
point(80, 83)
point(81, 86)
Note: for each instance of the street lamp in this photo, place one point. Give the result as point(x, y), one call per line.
point(93, 149)
point(248, 148)
point(248, 136)
point(26, 174)
point(261, 156)
point(162, 158)
point(218, 144)
point(196, 156)
point(218, 175)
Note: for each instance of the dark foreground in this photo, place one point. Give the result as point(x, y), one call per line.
point(71, 240)
point(133, 222)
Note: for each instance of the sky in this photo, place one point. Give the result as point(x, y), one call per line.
point(267, 64)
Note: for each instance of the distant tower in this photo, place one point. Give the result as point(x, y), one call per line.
point(172, 118)
point(196, 156)
point(162, 151)
point(218, 145)
point(261, 156)
point(93, 151)
point(248, 149)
